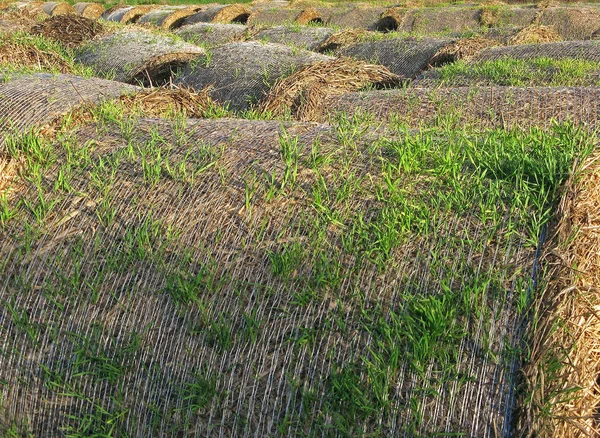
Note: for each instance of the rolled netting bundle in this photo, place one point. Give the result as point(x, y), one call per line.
point(168, 17)
point(444, 20)
point(236, 13)
point(305, 37)
point(241, 73)
point(365, 17)
point(494, 107)
point(92, 11)
point(572, 23)
point(57, 8)
point(275, 16)
point(213, 34)
point(585, 50)
point(137, 56)
point(127, 14)
point(502, 16)
point(35, 101)
point(224, 298)
point(404, 56)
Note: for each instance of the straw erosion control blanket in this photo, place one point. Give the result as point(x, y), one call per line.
point(572, 23)
point(305, 37)
point(34, 101)
point(481, 106)
point(137, 56)
point(241, 73)
point(585, 50)
point(404, 56)
point(248, 278)
point(213, 34)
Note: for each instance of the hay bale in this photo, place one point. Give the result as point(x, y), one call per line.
point(242, 73)
point(93, 11)
point(127, 14)
point(572, 23)
point(69, 30)
point(304, 91)
point(305, 37)
point(588, 50)
point(534, 34)
point(462, 49)
point(35, 101)
point(58, 8)
point(494, 107)
point(138, 56)
point(405, 57)
point(444, 20)
point(213, 34)
point(169, 17)
point(365, 17)
point(225, 14)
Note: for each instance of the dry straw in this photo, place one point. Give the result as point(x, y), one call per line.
point(30, 56)
point(490, 13)
point(303, 92)
point(344, 38)
point(92, 11)
point(158, 102)
point(69, 30)
point(565, 399)
point(462, 49)
point(308, 16)
point(534, 34)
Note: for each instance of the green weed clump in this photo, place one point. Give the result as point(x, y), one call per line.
point(522, 73)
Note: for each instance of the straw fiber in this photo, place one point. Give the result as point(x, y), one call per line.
point(137, 56)
point(405, 57)
point(69, 30)
point(305, 37)
point(586, 50)
point(34, 101)
point(486, 106)
point(213, 34)
point(93, 11)
point(241, 73)
point(568, 331)
point(161, 307)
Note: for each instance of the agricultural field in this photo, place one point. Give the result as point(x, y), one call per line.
point(299, 218)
